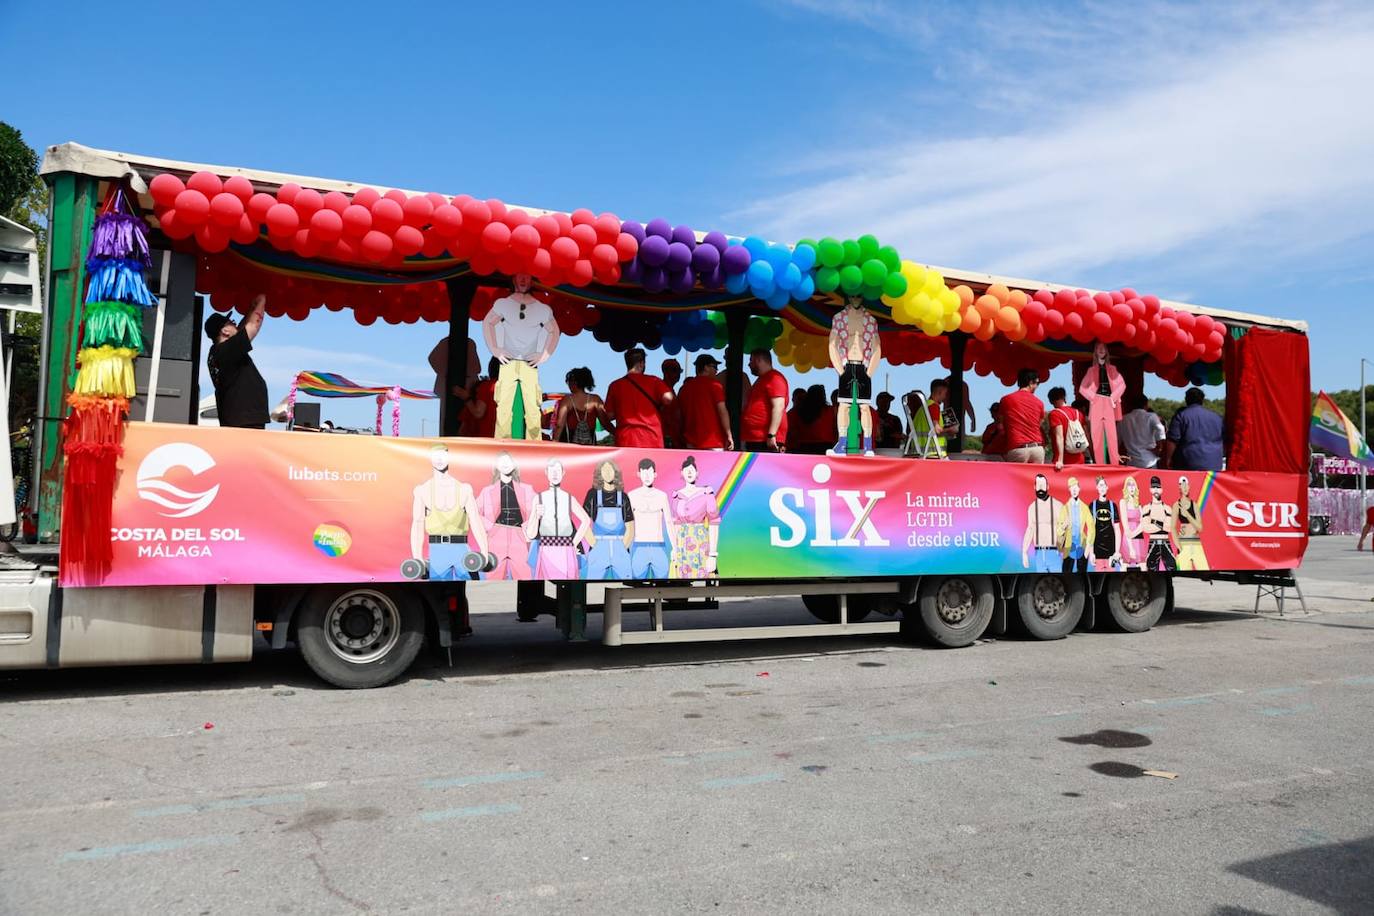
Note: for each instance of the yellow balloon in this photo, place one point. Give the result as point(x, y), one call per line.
point(802, 366)
point(915, 276)
point(931, 330)
point(952, 322)
point(934, 282)
point(783, 345)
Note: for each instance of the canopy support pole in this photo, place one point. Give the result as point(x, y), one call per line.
point(957, 342)
point(460, 293)
point(736, 321)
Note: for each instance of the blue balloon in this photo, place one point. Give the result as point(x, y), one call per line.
point(789, 277)
point(736, 283)
point(761, 275)
point(804, 256)
point(805, 289)
point(672, 346)
point(755, 246)
point(778, 300)
point(779, 256)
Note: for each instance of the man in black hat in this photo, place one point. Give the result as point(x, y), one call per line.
point(240, 392)
point(705, 421)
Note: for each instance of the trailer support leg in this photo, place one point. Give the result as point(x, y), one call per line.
point(610, 618)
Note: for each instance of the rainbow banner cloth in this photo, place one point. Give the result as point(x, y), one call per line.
point(1333, 431)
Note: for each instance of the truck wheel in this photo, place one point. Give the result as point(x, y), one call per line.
point(955, 610)
point(359, 637)
point(1050, 605)
point(1136, 599)
point(826, 608)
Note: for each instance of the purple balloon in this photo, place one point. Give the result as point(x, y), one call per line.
point(682, 281)
point(653, 251)
point(735, 259)
point(634, 229)
point(716, 240)
point(632, 271)
point(705, 259)
point(685, 235)
point(661, 228)
point(679, 256)
point(714, 279)
point(655, 279)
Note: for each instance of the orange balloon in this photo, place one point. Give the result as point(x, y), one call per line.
point(965, 295)
point(999, 292)
point(1007, 318)
point(987, 306)
point(971, 322)
point(1017, 299)
point(985, 331)
point(1018, 332)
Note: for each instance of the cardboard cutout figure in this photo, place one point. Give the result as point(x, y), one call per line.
point(521, 332)
point(1103, 387)
point(855, 352)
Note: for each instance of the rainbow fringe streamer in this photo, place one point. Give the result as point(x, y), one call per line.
point(119, 279)
point(106, 371)
point(116, 324)
point(120, 236)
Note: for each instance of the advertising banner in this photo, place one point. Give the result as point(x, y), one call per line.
point(214, 506)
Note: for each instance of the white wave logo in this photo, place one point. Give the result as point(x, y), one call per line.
point(152, 487)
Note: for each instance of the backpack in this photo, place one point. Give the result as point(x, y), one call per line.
point(1075, 439)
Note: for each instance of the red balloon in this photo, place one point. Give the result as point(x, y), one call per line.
point(357, 220)
point(583, 216)
point(326, 225)
point(461, 200)
point(1073, 323)
point(165, 188)
point(336, 201)
point(497, 209)
point(604, 256)
point(1101, 323)
point(540, 263)
point(447, 220)
point(482, 262)
point(212, 238)
point(304, 245)
point(1121, 314)
point(517, 217)
point(1064, 299)
point(582, 271)
point(376, 245)
point(1103, 300)
point(409, 240)
point(476, 215)
point(173, 226)
point(548, 229)
point(565, 223)
point(207, 183)
point(434, 245)
point(417, 211)
point(225, 209)
point(607, 228)
point(366, 197)
point(564, 251)
point(397, 195)
point(1117, 296)
point(626, 247)
point(287, 193)
point(246, 232)
point(283, 220)
point(193, 207)
point(495, 237)
point(509, 263)
point(584, 234)
point(609, 275)
point(307, 202)
point(258, 205)
point(344, 250)
point(387, 215)
point(436, 200)
point(524, 240)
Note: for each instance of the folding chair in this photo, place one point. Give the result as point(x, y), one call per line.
point(921, 440)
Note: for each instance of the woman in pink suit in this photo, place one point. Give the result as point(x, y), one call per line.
point(1103, 386)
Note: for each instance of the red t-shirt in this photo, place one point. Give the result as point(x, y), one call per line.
point(697, 401)
point(757, 410)
point(1369, 516)
point(483, 427)
point(635, 401)
point(1059, 419)
point(994, 439)
point(1022, 414)
point(820, 431)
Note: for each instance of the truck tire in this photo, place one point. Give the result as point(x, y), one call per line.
point(1050, 605)
point(826, 608)
point(955, 610)
point(357, 637)
point(1136, 600)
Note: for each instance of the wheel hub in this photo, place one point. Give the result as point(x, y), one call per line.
point(1134, 592)
point(1049, 597)
point(362, 626)
point(954, 601)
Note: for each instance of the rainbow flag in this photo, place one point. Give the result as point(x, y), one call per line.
point(1333, 431)
point(332, 385)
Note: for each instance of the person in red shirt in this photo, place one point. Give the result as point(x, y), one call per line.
point(705, 421)
point(478, 419)
point(634, 403)
point(764, 425)
point(811, 424)
point(672, 412)
point(1060, 416)
point(994, 435)
point(1368, 527)
point(1023, 417)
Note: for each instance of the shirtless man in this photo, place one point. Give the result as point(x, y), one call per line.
point(1042, 516)
point(855, 352)
point(441, 516)
point(1188, 530)
point(654, 540)
point(1158, 520)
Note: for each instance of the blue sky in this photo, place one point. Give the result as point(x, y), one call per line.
point(1216, 154)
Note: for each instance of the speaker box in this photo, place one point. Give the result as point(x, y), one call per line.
point(173, 280)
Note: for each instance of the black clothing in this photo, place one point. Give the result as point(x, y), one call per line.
point(1104, 531)
point(1161, 554)
point(598, 498)
point(510, 507)
point(855, 374)
point(240, 392)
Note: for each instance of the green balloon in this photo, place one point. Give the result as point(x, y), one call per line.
point(830, 252)
point(851, 279)
point(890, 258)
point(874, 272)
point(827, 279)
point(811, 242)
point(894, 286)
point(868, 247)
point(871, 293)
point(851, 252)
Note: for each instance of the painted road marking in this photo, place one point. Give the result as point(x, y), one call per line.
point(896, 739)
point(152, 846)
point(457, 782)
point(1363, 680)
point(944, 756)
point(1182, 701)
point(1280, 691)
point(732, 782)
point(225, 804)
point(706, 757)
point(1281, 711)
point(449, 814)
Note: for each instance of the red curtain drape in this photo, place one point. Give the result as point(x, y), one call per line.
point(1268, 401)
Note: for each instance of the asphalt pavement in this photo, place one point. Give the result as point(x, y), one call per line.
point(1218, 764)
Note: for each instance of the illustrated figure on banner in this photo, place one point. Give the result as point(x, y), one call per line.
point(697, 522)
point(1134, 543)
point(1188, 530)
point(613, 524)
point(1103, 387)
point(522, 333)
point(855, 352)
point(1106, 538)
point(1075, 531)
point(506, 506)
point(1042, 522)
point(1158, 518)
point(654, 537)
point(562, 525)
point(442, 523)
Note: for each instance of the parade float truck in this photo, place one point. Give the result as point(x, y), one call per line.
point(162, 540)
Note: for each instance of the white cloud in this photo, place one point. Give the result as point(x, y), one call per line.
point(1249, 134)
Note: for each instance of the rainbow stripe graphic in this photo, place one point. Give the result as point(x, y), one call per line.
point(732, 482)
point(1206, 491)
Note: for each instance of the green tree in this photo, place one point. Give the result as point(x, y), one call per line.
point(18, 166)
point(24, 199)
